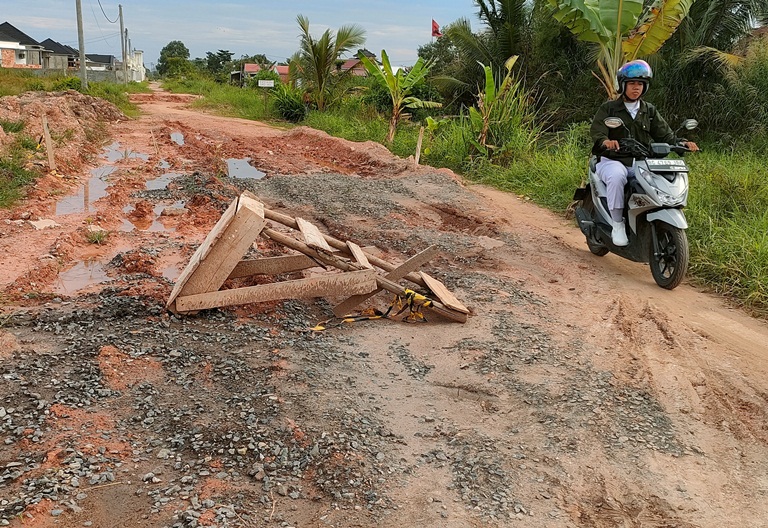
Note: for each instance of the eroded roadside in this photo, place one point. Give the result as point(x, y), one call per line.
point(576, 394)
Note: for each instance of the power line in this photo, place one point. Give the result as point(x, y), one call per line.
point(105, 15)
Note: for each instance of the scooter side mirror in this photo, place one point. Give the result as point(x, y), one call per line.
point(613, 122)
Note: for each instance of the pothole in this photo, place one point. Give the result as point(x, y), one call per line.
point(242, 169)
point(92, 190)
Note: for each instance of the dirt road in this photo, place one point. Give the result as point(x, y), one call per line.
point(578, 394)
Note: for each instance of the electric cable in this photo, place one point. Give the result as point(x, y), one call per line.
point(105, 15)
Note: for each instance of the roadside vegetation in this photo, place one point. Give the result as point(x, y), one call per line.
point(509, 105)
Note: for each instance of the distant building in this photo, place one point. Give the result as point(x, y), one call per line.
point(19, 50)
point(249, 70)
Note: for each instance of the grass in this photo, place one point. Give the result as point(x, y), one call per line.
point(14, 177)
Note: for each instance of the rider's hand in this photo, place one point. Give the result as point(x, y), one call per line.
point(690, 145)
point(611, 144)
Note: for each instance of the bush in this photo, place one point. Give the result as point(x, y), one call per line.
point(68, 83)
point(289, 103)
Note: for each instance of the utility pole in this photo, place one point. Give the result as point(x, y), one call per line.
point(123, 43)
point(81, 43)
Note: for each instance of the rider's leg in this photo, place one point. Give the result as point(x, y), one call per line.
point(614, 174)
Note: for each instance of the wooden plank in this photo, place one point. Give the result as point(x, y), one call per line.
point(344, 265)
point(272, 266)
point(330, 285)
point(443, 293)
point(49, 147)
point(410, 265)
point(341, 246)
point(359, 255)
point(312, 235)
point(222, 249)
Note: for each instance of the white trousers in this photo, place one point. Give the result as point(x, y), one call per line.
point(614, 175)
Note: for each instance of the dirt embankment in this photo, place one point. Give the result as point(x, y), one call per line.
point(578, 394)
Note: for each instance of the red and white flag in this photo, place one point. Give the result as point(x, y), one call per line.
point(436, 29)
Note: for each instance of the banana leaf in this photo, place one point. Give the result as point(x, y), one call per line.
point(657, 23)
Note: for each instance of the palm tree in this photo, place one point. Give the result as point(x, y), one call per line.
point(315, 62)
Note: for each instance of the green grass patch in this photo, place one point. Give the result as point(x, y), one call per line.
point(13, 174)
point(10, 127)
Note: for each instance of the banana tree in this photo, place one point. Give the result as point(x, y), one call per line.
point(400, 86)
point(622, 29)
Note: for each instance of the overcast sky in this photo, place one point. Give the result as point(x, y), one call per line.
point(243, 28)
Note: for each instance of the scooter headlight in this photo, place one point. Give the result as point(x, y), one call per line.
point(647, 176)
point(664, 197)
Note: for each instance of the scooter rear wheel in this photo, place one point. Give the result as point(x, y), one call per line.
point(670, 263)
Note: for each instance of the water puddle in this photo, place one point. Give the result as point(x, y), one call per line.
point(177, 137)
point(113, 153)
point(164, 165)
point(240, 168)
point(80, 276)
point(152, 225)
point(94, 189)
point(162, 182)
point(171, 273)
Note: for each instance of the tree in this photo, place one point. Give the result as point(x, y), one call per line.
point(172, 57)
point(622, 29)
point(400, 85)
point(315, 63)
point(218, 63)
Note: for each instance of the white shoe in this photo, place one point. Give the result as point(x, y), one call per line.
point(619, 234)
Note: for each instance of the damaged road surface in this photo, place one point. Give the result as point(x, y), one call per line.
point(576, 394)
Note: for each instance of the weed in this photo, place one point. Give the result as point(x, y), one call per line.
point(97, 236)
point(10, 127)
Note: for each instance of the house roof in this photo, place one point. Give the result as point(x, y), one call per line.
point(16, 35)
point(57, 48)
point(251, 68)
point(103, 59)
point(350, 63)
point(282, 70)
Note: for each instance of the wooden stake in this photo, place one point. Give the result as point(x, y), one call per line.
point(418, 147)
point(49, 146)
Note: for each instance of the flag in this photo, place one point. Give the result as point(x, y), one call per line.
point(436, 29)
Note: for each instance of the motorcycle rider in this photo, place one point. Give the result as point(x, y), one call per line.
point(644, 124)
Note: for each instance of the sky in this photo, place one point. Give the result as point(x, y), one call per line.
point(243, 28)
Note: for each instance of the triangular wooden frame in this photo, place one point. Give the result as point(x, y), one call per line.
point(220, 257)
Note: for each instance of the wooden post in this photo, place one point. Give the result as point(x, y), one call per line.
point(49, 146)
point(418, 147)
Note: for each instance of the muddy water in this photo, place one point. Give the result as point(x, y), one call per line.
point(177, 137)
point(92, 190)
point(161, 182)
point(115, 152)
point(80, 276)
point(241, 168)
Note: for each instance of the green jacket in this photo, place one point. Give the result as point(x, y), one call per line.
point(647, 127)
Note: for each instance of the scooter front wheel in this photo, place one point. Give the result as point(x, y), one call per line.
point(669, 260)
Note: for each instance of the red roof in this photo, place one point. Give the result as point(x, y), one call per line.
point(252, 68)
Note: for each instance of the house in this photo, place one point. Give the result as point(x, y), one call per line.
point(97, 62)
point(57, 56)
point(19, 50)
point(249, 70)
point(355, 66)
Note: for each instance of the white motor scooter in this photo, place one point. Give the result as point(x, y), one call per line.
point(653, 210)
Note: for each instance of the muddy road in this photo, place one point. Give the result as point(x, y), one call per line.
point(578, 393)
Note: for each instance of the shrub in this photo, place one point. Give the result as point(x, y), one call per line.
point(289, 103)
point(67, 83)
